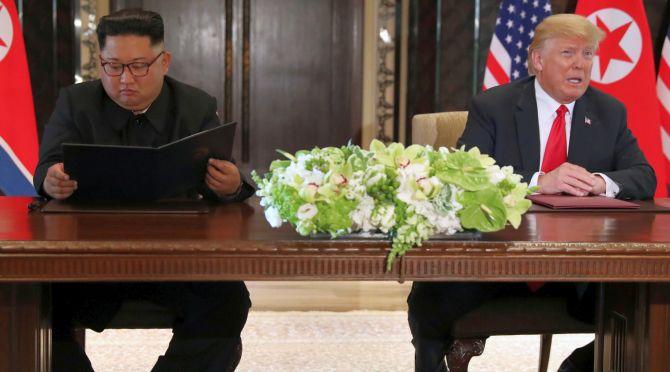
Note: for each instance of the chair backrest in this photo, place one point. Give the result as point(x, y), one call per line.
point(439, 129)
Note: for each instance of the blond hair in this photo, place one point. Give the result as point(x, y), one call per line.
point(563, 25)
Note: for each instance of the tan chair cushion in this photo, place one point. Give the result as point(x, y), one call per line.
point(440, 129)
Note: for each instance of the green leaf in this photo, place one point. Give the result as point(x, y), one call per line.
point(377, 146)
point(463, 169)
point(277, 164)
point(286, 154)
point(516, 204)
point(483, 210)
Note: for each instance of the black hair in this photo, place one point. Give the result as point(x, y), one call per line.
point(137, 22)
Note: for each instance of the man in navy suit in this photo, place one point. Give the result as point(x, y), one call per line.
point(563, 137)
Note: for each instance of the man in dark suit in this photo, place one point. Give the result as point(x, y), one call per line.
point(135, 103)
point(563, 137)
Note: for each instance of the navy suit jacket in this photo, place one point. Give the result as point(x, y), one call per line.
point(502, 122)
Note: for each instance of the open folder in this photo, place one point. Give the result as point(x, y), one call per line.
point(130, 173)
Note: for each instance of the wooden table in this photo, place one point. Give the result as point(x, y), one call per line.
point(628, 250)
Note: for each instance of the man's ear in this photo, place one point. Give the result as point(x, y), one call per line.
point(167, 58)
point(536, 59)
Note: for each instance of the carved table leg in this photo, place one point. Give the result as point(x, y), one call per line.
point(25, 339)
point(462, 350)
point(658, 339)
point(634, 327)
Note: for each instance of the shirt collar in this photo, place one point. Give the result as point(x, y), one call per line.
point(547, 102)
point(156, 113)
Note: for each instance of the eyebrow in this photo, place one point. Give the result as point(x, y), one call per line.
point(138, 59)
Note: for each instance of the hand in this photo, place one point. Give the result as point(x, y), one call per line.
point(222, 177)
point(57, 183)
point(570, 179)
point(600, 186)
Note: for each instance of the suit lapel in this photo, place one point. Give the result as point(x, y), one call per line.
point(581, 133)
point(527, 128)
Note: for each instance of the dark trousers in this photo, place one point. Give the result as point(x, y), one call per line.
point(208, 320)
point(433, 308)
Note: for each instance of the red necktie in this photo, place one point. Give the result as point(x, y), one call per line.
point(556, 150)
point(555, 154)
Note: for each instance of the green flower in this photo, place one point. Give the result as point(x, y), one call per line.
point(483, 210)
point(409, 193)
point(465, 169)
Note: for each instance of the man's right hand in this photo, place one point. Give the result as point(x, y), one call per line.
point(57, 183)
point(567, 178)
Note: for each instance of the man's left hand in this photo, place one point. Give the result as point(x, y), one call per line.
point(600, 186)
point(222, 177)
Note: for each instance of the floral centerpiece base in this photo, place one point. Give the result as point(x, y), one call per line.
point(406, 194)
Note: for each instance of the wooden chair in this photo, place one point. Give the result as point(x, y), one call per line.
point(503, 316)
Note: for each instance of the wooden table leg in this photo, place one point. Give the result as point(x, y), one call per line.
point(659, 327)
point(25, 332)
point(634, 328)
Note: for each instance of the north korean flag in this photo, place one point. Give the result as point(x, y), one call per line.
point(624, 68)
point(18, 132)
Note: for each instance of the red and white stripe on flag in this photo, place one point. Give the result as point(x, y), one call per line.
point(663, 91)
point(514, 30)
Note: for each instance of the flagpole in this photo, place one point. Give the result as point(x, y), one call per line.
point(438, 56)
point(19, 9)
point(475, 49)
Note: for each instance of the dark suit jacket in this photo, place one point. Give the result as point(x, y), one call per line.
point(85, 114)
point(502, 122)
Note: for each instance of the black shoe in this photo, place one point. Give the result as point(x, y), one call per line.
point(69, 356)
point(200, 354)
point(581, 360)
point(429, 355)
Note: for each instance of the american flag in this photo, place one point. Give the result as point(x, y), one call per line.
point(663, 91)
point(515, 27)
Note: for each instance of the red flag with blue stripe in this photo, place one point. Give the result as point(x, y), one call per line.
point(18, 132)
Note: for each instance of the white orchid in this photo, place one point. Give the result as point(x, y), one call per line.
point(410, 193)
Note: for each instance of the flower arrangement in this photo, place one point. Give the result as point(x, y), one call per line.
point(408, 193)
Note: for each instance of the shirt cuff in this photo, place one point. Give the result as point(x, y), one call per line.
point(533, 180)
point(611, 188)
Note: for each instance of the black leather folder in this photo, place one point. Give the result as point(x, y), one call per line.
point(129, 173)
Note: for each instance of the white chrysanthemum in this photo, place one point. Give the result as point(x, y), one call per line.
point(297, 171)
point(509, 174)
point(496, 175)
point(273, 217)
point(360, 217)
point(383, 217)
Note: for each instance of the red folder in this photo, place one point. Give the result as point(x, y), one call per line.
point(581, 202)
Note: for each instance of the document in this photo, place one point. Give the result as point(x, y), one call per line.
point(581, 202)
point(129, 173)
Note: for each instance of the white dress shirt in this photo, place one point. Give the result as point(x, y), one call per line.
point(546, 113)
